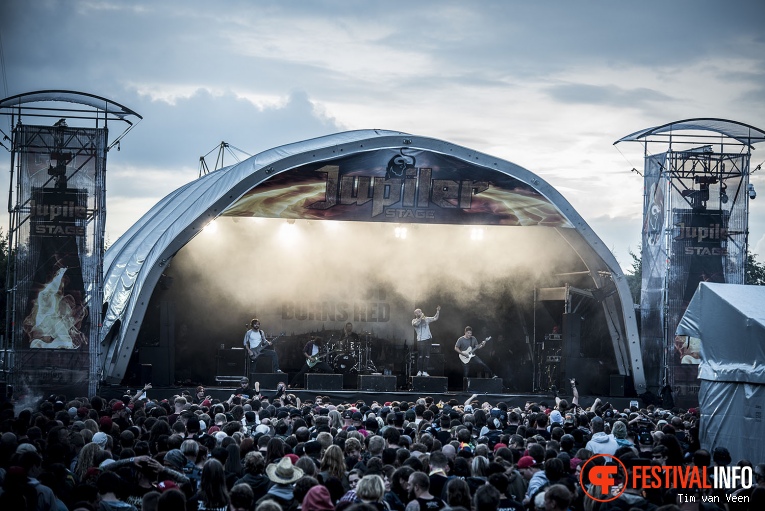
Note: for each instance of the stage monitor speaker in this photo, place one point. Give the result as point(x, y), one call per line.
point(268, 380)
point(377, 382)
point(321, 381)
point(230, 362)
point(429, 384)
point(482, 385)
point(617, 385)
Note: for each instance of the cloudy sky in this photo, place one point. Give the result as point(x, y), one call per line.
point(549, 87)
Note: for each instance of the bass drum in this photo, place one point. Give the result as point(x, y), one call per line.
point(344, 364)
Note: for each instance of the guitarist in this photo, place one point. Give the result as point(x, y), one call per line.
point(468, 344)
point(255, 342)
point(313, 361)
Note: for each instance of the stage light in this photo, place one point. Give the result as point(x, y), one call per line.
point(400, 232)
point(752, 193)
point(211, 228)
point(476, 233)
point(288, 232)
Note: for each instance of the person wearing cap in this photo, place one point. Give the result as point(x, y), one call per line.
point(245, 389)
point(283, 476)
point(256, 343)
point(421, 324)
point(533, 473)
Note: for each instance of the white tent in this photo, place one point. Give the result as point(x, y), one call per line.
point(730, 321)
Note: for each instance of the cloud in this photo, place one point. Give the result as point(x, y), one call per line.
point(192, 126)
point(610, 95)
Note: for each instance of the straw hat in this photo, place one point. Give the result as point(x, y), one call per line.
point(283, 472)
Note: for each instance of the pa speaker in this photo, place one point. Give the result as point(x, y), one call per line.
point(321, 381)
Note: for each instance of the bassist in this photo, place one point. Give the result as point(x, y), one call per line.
point(466, 347)
point(255, 342)
point(314, 360)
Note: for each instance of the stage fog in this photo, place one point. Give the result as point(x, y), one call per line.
point(306, 277)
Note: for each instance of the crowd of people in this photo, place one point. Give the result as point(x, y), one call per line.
point(275, 452)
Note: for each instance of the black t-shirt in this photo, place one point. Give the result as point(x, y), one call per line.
point(245, 391)
point(434, 503)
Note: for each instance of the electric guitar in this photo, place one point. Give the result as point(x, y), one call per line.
point(310, 362)
point(256, 351)
point(469, 353)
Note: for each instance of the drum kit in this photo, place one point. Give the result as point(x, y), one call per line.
point(351, 354)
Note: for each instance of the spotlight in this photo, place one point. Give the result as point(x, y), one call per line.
point(400, 232)
point(752, 193)
point(723, 193)
point(211, 228)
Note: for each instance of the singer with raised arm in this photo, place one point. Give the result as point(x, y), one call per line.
point(315, 356)
point(466, 346)
point(421, 324)
point(255, 342)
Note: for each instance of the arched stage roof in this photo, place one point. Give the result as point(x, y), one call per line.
point(134, 264)
point(743, 133)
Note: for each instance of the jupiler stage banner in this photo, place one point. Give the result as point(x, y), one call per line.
point(694, 230)
point(60, 187)
point(400, 186)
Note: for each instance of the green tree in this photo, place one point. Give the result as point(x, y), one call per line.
point(754, 274)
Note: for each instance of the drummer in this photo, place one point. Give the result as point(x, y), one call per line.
point(349, 340)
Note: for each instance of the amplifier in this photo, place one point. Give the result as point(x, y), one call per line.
point(377, 382)
point(230, 363)
point(320, 381)
point(429, 384)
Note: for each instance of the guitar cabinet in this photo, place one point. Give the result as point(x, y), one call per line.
point(230, 364)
